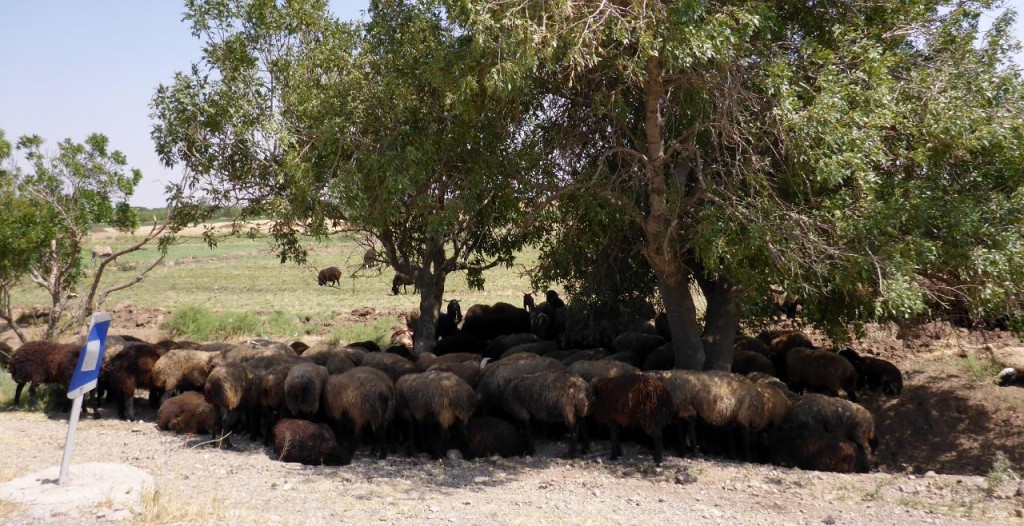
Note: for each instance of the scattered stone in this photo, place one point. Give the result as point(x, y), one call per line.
point(830, 520)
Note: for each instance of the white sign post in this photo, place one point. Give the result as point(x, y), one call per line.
point(86, 376)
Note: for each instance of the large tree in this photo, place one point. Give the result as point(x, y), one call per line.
point(865, 155)
point(49, 208)
point(385, 128)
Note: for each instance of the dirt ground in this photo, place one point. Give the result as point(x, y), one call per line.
point(951, 451)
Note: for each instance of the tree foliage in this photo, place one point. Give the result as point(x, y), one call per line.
point(49, 208)
point(864, 155)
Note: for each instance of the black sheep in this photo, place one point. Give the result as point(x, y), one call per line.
point(42, 362)
point(329, 275)
point(486, 436)
point(308, 443)
point(635, 401)
point(874, 373)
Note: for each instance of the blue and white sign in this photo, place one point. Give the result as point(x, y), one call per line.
point(87, 372)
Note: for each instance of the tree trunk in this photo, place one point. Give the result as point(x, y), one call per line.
point(430, 281)
point(721, 321)
point(682, 322)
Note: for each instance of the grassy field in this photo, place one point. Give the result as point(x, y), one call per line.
point(243, 275)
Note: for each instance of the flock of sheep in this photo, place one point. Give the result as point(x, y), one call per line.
point(497, 380)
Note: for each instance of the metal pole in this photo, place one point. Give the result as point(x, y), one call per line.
point(69, 444)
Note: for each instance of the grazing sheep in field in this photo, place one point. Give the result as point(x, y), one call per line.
point(594, 370)
point(303, 389)
point(186, 414)
point(634, 401)
point(874, 373)
point(496, 376)
point(820, 371)
point(823, 414)
point(816, 451)
point(393, 365)
point(744, 362)
point(402, 281)
point(308, 443)
point(101, 252)
point(435, 397)
point(370, 258)
point(1010, 376)
point(233, 390)
point(550, 396)
point(360, 398)
point(128, 370)
point(329, 276)
point(487, 436)
point(42, 362)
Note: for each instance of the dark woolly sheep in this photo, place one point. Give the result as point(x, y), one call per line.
point(823, 414)
point(633, 401)
point(550, 396)
point(661, 326)
point(402, 281)
point(1010, 376)
point(496, 376)
point(589, 354)
point(874, 373)
point(782, 342)
point(427, 360)
point(637, 343)
point(233, 390)
point(820, 371)
point(393, 365)
point(271, 398)
point(541, 322)
point(435, 398)
point(329, 275)
point(299, 347)
point(684, 386)
point(560, 354)
point(744, 362)
point(661, 359)
point(593, 370)
point(528, 302)
point(552, 298)
point(322, 353)
point(487, 436)
point(5, 355)
point(358, 399)
point(816, 451)
point(538, 348)
point(625, 357)
point(303, 389)
point(488, 322)
point(749, 344)
point(186, 414)
point(458, 343)
point(368, 345)
point(370, 258)
point(448, 321)
point(308, 443)
point(470, 372)
point(182, 370)
point(499, 345)
point(338, 365)
point(131, 369)
point(42, 362)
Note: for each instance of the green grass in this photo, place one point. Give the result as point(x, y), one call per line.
point(378, 331)
point(244, 276)
point(981, 368)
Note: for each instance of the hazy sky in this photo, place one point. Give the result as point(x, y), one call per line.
point(72, 67)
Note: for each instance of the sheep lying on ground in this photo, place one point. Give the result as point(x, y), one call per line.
point(486, 436)
point(188, 414)
point(874, 373)
point(42, 362)
point(820, 371)
point(634, 401)
point(308, 443)
point(550, 396)
point(435, 397)
point(817, 413)
point(1010, 376)
point(329, 275)
point(816, 451)
point(361, 398)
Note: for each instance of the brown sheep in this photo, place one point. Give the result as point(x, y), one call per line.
point(435, 397)
point(470, 372)
point(303, 389)
point(321, 353)
point(360, 398)
point(271, 398)
point(550, 396)
point(594, 370)
point(820, 371)
point(683, 386)
point(635, 401)
point(502, 343)
point(233, 390)
point(187, 414)
point(746, 343)
point(744, 362)
point(874, 373)
point(182, 370)
point(393, 365)
point(43, 362)
point(308, 443)
point(329, 275)
point(486, 436)
point(816, 451)
point(823, 414)
point(496, 376)
point(131, 369)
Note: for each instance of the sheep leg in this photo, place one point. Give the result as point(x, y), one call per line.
point(442, 443)
point(584, 436)
point(32, 395)
point(528, 435)
point(126, 407)
point(17, 394)
point(745, 435)
point(659, 446)
point(382, 442)
point(616, 446)
point(155, 396)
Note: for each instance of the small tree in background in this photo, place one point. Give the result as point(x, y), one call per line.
point(49, 210)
